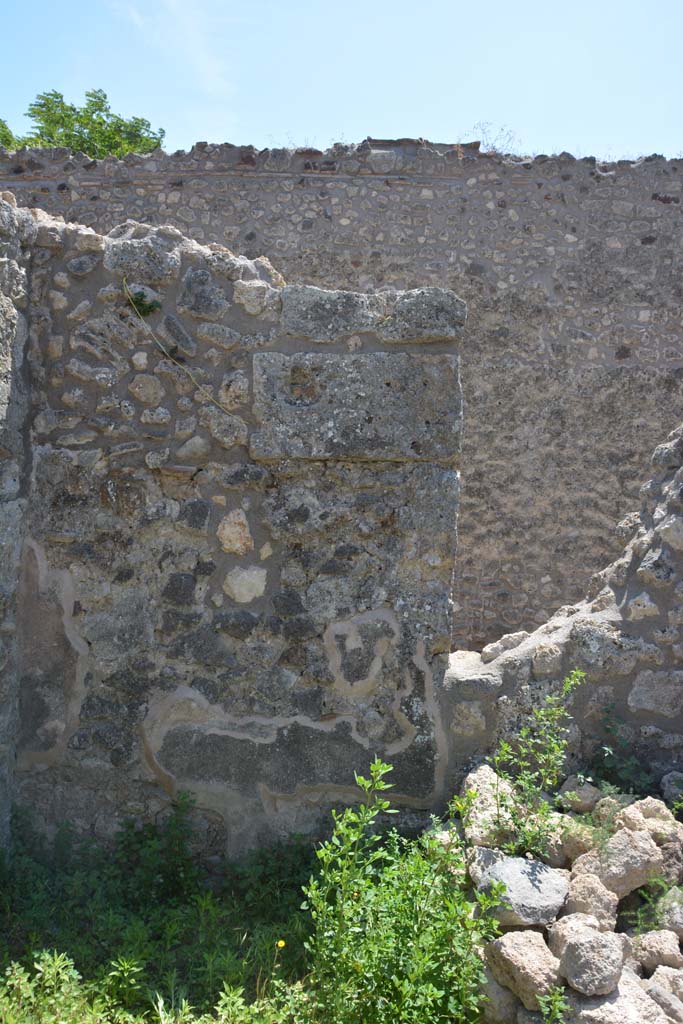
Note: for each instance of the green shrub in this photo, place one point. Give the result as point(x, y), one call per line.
point(396, 933)
point(390, 932)
point(138, 919)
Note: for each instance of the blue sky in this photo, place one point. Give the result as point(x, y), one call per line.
point(595, 78)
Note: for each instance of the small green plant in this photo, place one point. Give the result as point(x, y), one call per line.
point(122, 983)
point(617, 763)
point(644, 916)
point(533, 765)
point(143, 305)
point(396, 934)
point(554, 1006)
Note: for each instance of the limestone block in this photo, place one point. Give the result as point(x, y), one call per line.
point(376, 406)
point(627, 861)
point(234, 534)
point(487, 822)
point(147, 389)
point(660, 948)
point(641, 607)
point(424, 314)
point(587, 895)
point(628, 1003)
point(657, 692)
point(652, 816)
point(506, 643)
point(256, 297)
point(570, 927)
point(141, 254)
point(522, 962)
point(244, 585)
point(670, 979)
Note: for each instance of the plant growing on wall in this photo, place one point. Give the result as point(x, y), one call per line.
point(532, 764)
point(92, 128)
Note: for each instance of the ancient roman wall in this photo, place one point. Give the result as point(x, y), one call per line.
point(572, 274)
point(626, 635)
point(236, 501)
point(14, 486)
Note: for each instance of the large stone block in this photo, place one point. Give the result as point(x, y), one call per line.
point(377, 406)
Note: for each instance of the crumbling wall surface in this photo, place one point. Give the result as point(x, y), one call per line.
point(571, 271)
point(240, 535)
point(627, 636)
point(14, 300)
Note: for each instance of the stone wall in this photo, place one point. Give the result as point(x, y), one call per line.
point(626, 635)
point(14, 467)
point(238, 501)
point(571, 272)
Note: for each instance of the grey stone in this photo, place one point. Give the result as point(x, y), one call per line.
point(592, 962)
point(657, 692)
point(627, 1004)
point(423, 314)
point(669, 911)
point(141, 254)
point(669, 1003)
point(534, 893)
point(201, 297)
point(378, 406)
point(180, 337)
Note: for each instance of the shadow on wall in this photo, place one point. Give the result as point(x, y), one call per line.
point(626, 635)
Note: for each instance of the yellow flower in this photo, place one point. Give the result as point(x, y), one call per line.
point(281, 943)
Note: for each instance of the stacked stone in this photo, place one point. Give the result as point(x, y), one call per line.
point(627, 636)
point(240, 533)
point(559, 918)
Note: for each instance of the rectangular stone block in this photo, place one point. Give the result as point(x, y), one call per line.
point(374, 406)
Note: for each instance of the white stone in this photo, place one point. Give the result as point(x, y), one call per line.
point(570, 927)
point(487, 823)
point(244, 585)
point(660, 948)
point(506, 643)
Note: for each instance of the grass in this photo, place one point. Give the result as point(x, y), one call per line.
point(142, 920)
point(389, 932)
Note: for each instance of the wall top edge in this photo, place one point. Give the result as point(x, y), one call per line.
point(378, 157)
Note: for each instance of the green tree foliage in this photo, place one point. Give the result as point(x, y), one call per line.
point(6, 138)
point(92, 128)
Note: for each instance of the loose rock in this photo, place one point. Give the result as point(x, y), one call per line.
point(522, 962)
